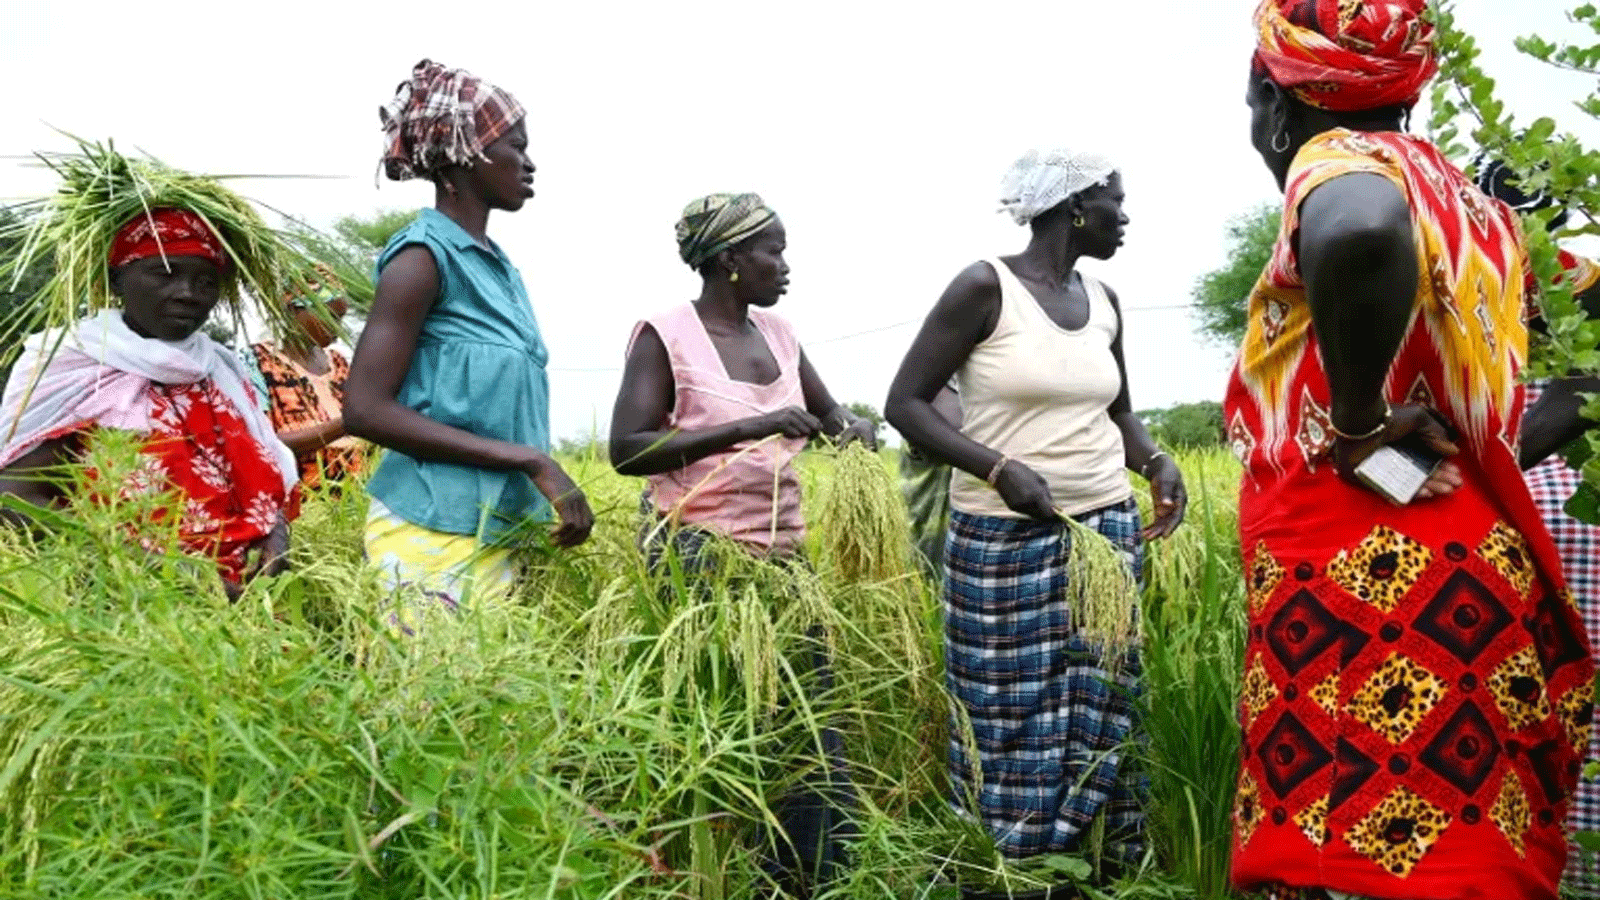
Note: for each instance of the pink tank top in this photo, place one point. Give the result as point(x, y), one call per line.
point(749, 492)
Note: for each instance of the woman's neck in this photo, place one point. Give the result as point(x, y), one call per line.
point(305, 354)
point(1049, 259)
point(719, 304)
point(470, 212)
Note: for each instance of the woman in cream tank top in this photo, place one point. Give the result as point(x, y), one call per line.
point(1047, 432)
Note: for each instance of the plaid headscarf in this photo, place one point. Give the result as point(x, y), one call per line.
point(716, 222)
point(443, 117)
point(1346, 55)
point(166, 232)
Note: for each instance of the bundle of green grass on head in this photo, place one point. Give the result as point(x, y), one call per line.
point(102, 190)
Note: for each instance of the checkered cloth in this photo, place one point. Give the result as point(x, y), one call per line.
point(1049, 722)
point(1551, 483)
point(442, 117)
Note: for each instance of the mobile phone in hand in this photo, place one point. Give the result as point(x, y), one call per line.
point(1397, 471)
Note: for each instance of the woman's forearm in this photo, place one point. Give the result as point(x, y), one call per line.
point(923, 427)
point(306, 441)
point(1138, 448)
point(1358, 258)
point(667, 450)
point(1555, 420)
point(391, 424)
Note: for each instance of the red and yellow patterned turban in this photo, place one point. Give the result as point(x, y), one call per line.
point(1346, 55)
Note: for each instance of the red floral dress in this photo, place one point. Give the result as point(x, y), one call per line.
point(1417, 683)
point(229, 484)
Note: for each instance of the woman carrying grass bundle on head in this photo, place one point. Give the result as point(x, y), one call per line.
point(144, 366)
point(300, 378)
point(449, 374)
point(1046, 432)
point(717, 399)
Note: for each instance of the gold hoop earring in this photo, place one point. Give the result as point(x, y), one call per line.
point(1275, 147)
point(733, 276)
point(1078, 222)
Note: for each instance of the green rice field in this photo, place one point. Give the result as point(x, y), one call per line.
point(611, 734)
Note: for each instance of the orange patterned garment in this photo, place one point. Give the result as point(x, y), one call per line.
point(300, 399)
point(1416, 678)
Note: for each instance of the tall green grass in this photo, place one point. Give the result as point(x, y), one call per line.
point(612, 734)
point(1195, 629)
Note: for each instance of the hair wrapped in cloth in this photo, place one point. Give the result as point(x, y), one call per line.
point(716, 222)
point(1042, 179)
point(442, 117)
point(164, 233)
point(1346, 56)
point(319, 282)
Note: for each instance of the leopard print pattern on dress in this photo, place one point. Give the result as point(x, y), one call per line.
point(1382, 568)
point(1511, 813)
point(1519, 691)
point(1506, 549)
point(1396, 698)
point(1398, 832)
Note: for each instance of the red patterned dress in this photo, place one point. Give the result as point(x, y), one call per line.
point(230, 486)
point(1417, 681)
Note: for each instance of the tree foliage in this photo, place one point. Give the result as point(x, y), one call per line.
point(1220, 296)
point(1545, 159)
point(1186, 425)
point(870, 413)
point(352, 246)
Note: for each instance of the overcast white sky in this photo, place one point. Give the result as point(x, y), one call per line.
point(878, 130)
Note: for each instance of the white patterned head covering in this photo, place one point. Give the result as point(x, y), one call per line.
point(1041, 179)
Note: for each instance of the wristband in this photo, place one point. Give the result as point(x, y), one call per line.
point(994, 473)
point(1153, 457)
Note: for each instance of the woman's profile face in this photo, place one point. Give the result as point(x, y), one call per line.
point(763, 274)
point(1104, 222)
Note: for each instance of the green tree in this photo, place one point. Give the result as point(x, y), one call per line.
point(1220, 296)
point(870, 413)
point(1464, 105)
point(352, 246)
point(1186, 425)
point(15, 286)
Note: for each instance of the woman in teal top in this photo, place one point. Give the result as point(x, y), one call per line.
point(449, 374)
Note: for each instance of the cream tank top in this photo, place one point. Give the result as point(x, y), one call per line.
point(1039, 393)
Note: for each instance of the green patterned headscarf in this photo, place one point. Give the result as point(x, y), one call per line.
point(716, 222)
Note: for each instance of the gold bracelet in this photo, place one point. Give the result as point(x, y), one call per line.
point(994, 473)
point(1388, 413)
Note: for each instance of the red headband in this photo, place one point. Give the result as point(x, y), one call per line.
point(1347, 57)
point(166, 232)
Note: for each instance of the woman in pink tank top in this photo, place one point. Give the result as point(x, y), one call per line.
point(717, 399)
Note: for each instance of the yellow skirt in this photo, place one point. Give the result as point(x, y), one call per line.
point(427, 571)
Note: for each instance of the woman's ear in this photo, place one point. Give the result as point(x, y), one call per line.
point(726, 264)
point(1278, 107)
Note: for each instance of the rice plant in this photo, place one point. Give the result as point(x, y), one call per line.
point(613, 732)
